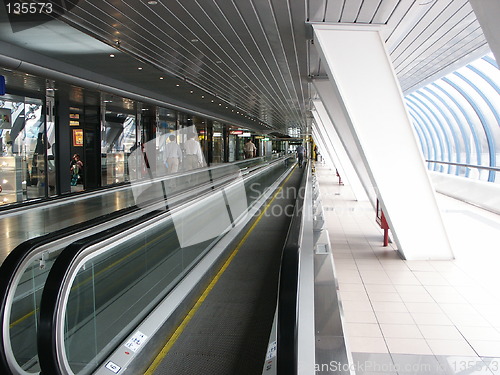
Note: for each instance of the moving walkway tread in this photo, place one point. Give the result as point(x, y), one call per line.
point(230, 331)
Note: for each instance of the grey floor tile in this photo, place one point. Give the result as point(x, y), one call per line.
point(460, 365)
point(373, 364)
point(411, 364)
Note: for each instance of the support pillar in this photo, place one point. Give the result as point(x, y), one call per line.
point(337, 150)
point(370, 102)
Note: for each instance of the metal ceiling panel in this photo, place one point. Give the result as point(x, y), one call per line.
point(350, 11)
point(333, 10)
point(384, 11)
point(367, 11)
point(250, 59)
point(316, 10)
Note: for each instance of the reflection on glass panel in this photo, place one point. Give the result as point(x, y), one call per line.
point(118, 139)
point(218, 143)
point(22, 143)
point(24, 315)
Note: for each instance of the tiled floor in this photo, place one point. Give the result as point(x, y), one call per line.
point(416, 317)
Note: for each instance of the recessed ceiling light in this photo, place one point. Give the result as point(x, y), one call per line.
point(194, 40)
point(218, 62)
point(191, 91)
point(139, 68)
point(203, 96)
point(177, 85)
point(152, 2)
point(111, 55)
point(161, 77)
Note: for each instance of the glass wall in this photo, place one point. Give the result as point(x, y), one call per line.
point(23, 145)
point(118, 138)
point(457, 121)
point(104, 130)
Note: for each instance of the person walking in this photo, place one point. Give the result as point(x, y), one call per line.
point(249, 149)
point(194, 155)
point(173, 154)
point(300, 154)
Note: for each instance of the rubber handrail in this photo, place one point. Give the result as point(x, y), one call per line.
point(288, 291)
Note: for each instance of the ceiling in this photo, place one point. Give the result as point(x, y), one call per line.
point(248, 61)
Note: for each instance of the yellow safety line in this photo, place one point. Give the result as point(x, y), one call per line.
point(175, 336)
point(20, 320)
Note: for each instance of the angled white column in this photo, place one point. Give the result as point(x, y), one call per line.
point(322, 148)
point(369, 99)
point(339, 125)
point(334, 144)
point(487, 12)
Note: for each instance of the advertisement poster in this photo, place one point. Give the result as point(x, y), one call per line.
point(77, 137)
point(5, 118)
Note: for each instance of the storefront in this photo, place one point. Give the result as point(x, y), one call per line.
point(43, 138)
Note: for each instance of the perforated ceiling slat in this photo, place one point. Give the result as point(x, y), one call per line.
point(384, 11)
point(334, 10)
point(368, 11)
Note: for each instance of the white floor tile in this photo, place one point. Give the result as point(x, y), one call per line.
point(394, 318)
point(386, 297)
point(350, 287)
point(451, 347)
point(479, 333)
point(359, 317)
point(363, 330)
point(380, 288)
point(405, 289)
point(440, 332)
point(485, 348)
point(472, 320)
point(349, 305)
point(367, 345)
point(384, 306)
point(417, 297)
point(353, 295)
point(431, 319)
point(419, 265)
point(404, 331)
point(423, 307)
point(430, 278)
point(407, 346)
point(457, 308)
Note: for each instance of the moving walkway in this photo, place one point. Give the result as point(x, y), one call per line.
point(124, 272)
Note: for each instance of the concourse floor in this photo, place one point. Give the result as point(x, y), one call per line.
point(415, 317)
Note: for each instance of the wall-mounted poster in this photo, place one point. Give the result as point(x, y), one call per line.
point(78, 137)
point(5, 118)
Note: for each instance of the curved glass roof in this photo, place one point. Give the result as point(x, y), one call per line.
point(457, 120)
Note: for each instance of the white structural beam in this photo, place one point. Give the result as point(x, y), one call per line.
point(370, 101)
point(323, 150)
point(334, 144)
point(487, 12)
point(339, 125)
